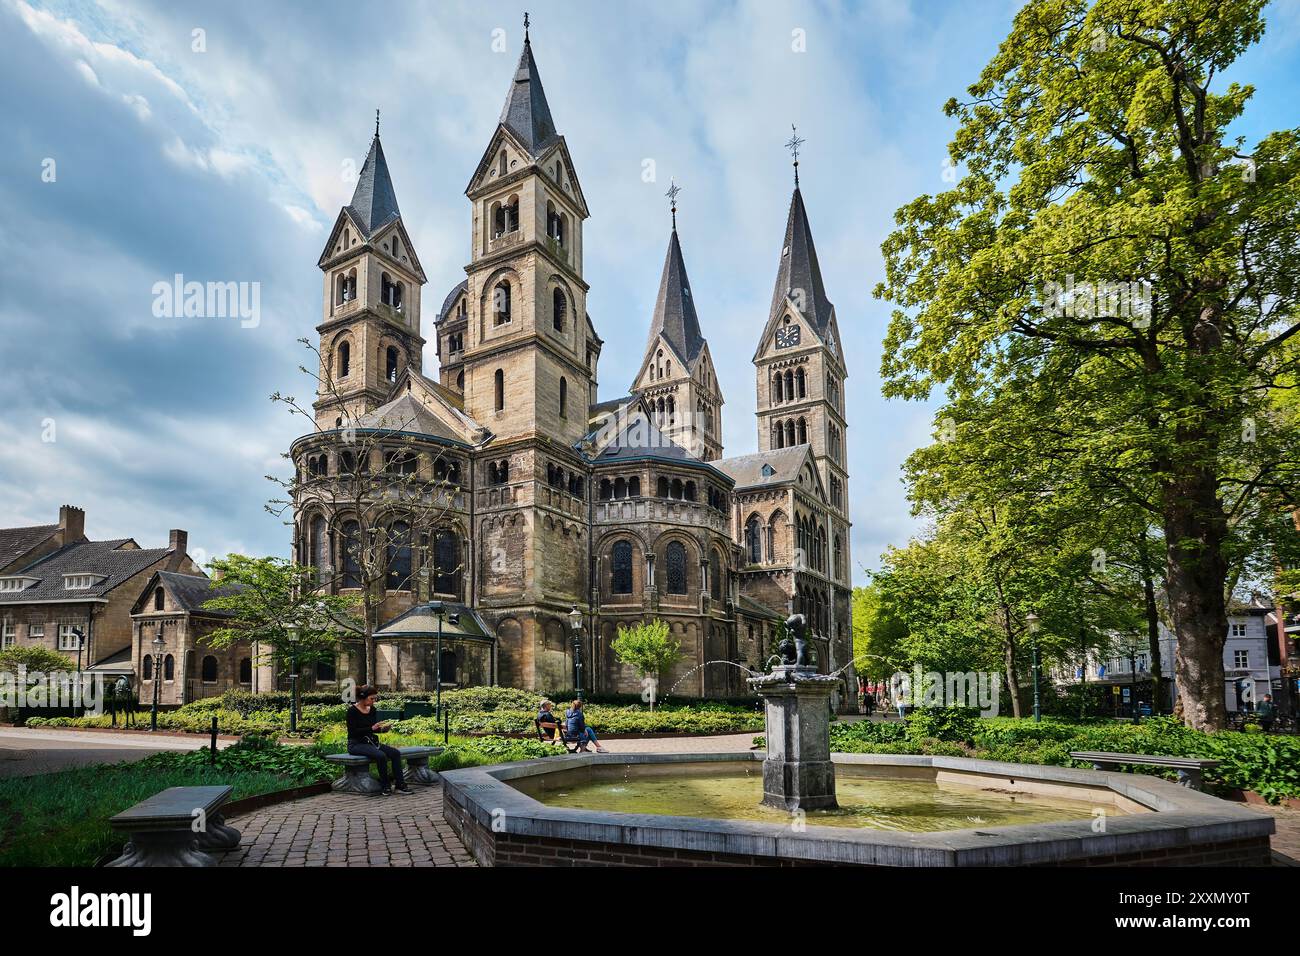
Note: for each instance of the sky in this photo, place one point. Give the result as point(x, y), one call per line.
point(142, 140)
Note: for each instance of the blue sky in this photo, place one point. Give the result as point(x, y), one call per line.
point(228, 164)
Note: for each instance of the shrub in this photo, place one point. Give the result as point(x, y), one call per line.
point(956, 724)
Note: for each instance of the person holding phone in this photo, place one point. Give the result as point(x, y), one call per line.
point(364, 729)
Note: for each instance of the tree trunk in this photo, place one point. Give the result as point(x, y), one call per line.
point(1153, 627)
point(1195, 529)
point(1013, 677)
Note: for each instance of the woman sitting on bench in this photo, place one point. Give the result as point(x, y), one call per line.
point(363, 740)
point(577, 729)
point(549, 721)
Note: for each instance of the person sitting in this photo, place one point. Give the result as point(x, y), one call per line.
point(364, 728)
point(576, 726)
point(549, 721)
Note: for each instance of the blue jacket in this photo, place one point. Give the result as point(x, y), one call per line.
point(574, 722)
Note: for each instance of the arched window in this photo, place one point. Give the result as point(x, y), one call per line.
point(839, 558)
point(447, 667)
point(499, 386)
point(715, 576)
point(675, 560)
point(245, 670)
point(634, 487)
point(800, 384)
point(146, 667)
point(803, 431)
point(460, 381)
point(677, 489)
point(564, 397)
point(621, 571)
point(501, 163)
point(399, 557)
point(169, 668)
point(754, 540)
point(672, 408)
point(326, 672)
point(345, 359)
point(778, 390)
point(158, 599)
point(620, 487)
point(501, 303)
point(209, 669)
point(606, 489)
point(661, 489)
point(789, 433)
point(319, 545)
point(351, 555)
point(688, 492)
point(789, 384)
point(446, 558)
point(390, 364)
point(559, 305)
point(778, 437)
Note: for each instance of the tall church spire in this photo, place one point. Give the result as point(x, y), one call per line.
point(674, 315)
point(374, 201)
point(798, 275)
point(526, 113)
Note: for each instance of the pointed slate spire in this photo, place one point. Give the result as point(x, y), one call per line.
point(374, 203)
point(798, 276)
point(674, 315)
point(526, 113)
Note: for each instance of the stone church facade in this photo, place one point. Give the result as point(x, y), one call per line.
point(549, 499)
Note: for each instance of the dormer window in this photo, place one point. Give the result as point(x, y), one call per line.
point(82, 582)
point(16, 583)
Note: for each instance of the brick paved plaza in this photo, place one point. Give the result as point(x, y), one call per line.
point(337, 829)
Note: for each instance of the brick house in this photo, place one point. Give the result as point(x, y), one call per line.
point(57, 584)
point(172, 604)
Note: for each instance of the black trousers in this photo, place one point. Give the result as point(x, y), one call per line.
point(382, 755)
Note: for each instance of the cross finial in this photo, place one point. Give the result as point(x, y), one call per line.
point(525, 26)
point(376, 123)
point(673, 190)
point(793, 145)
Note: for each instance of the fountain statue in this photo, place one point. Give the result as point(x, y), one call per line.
point(797, 772)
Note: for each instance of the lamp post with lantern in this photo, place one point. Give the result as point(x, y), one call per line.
point(575, 622)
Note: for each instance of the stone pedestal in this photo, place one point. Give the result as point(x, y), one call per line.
point(798, 773)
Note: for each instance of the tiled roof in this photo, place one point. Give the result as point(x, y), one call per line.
point(406, 414)
point(374, 202)
point(674, 316)
point(748, 470)
point(450, 301)
point(15, 542)
point(189, 591)
point(798, 273)
point(526, 113)
point(639, 438)
point(421, 621)
point(117, 561)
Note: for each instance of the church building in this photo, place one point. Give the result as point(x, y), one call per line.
point(499, 500)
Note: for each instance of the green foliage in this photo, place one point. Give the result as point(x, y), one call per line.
point(34, 659)
point(956, 724)
point(649, 647)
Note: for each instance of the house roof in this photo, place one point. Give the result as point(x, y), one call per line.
point(407, 414)
point(189, 591)
point(116, 561)
point(15, 542)
point(374, 202)
point(421, 621)
point(526, 113)
point(766, 467)
point(447, 303)
point(674, 315)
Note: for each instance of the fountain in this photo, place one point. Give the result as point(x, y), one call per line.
point(797, 772)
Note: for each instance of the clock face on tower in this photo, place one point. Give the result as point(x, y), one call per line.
point(786, 336)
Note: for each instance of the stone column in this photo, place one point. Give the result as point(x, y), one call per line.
point(797, 772)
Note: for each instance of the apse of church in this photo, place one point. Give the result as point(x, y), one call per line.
point(503, 489)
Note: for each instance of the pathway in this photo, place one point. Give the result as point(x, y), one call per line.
point(26, 752)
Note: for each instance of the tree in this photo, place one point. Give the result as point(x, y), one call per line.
point(878, 632)
point(649, 648)
point(1111, 253)
point(273, 605)
point(388, 506)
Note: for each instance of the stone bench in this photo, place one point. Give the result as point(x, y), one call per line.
point(356, 770)
point(417, 764)
point(1190, 769)
point(175, 828)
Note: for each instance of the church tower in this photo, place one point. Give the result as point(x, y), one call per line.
point(528, 351)
point(370, 322)
point(677, 383)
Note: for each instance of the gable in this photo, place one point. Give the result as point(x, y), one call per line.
point(807, 333)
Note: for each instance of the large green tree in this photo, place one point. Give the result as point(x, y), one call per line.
point(1112, 249)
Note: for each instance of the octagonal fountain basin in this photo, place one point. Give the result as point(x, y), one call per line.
point(703, 809)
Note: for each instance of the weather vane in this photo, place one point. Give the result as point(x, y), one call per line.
point(525, 26)
point(376, 122)
point(793, 146)
point(673, 190)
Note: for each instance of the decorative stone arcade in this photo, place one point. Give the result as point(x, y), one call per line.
point(797, 773)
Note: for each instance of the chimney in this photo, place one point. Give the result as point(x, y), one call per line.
point(178, 540)
point(72, 524)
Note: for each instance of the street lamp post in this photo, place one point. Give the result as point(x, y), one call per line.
point(1031, 619)
point(575, 622)
point(80, 635)
point(158, 645)
point(438, 609)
